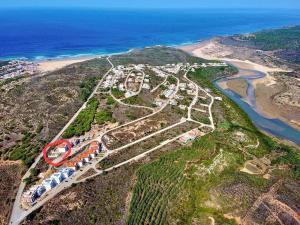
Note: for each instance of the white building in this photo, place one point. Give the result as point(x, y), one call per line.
point(67, 172)
point(173, 102)
point(58, 177)
point(146, 86)
point(168, 93)
point(49, 184)
point(79, 164)
point(183, 107)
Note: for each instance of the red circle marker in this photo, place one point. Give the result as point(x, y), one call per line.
point(64, 159)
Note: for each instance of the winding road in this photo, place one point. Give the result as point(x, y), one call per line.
point(18, 214)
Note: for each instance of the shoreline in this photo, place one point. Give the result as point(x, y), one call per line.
point(56, 63)
point(211, 50)
point(201, 48)
point(53, 63)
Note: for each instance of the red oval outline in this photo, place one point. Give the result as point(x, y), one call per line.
point(64, 159)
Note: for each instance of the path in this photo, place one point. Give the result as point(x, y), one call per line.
point(16, 210)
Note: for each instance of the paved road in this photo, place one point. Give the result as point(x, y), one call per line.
point(19, 214)
point(211, 103)
point(136, 158)
point(154, 89)
point(17, 210)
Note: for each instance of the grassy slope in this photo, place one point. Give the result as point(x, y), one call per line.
point(47, 103)
point(154, 56)
point(286, 41)
point(171, 191)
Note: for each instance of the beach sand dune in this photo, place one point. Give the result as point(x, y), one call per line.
point(50, 65)
point(265, 87)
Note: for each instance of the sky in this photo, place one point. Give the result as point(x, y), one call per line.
point(153, 3)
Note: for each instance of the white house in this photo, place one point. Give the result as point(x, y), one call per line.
point(49, 184)
point(58, 177)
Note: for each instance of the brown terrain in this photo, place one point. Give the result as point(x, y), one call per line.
point(239, 86)
point(239, 196)
point(280, 205)
point(10, 177)
point(42, 103)
point(277, 94)
point(101, 200)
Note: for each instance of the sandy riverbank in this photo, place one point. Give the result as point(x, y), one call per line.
point(54, 64)
point(265, 87)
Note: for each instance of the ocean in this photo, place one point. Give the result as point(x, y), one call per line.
point(56, 33)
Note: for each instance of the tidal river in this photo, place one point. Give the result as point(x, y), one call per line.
point(274, 127)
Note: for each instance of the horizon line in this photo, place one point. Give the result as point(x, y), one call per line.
point(144, 8)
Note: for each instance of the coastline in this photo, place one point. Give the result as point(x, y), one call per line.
point(207, 49)
point(49, 65)
point(211, 50)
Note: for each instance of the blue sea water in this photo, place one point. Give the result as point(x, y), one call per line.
point(47, 33)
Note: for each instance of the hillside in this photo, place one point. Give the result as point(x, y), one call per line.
point(285, 42)
point(231, 175)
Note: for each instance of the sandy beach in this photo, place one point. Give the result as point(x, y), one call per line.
point(265, 87)
point(54, 64)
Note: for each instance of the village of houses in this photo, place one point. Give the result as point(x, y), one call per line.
point(16, 68)
point(168, 86)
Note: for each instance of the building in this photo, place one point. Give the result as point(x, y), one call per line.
point(146, 86)
point(78, 163)
point(168, 93)
point(49, 184)
point(33, 194)
point(67, 172)
point(58, 177)
point(85, 157)
point(183, 107)
point(91, 153)
point(173, 102)
point(158, 103)
point(71, 165)
point(190, 92)
point(128, 94)
point(190, 136)
point(62, 148)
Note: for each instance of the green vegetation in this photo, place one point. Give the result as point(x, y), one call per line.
point(133, 100)
point(208, 74)
point(292, 158)
point(86, 87)
point(83, 121)
point(155, 56)
point(9, 80)
point(268, 40)
point(198, 116)
point(39, 128)
point(163, 87)
point(26, 150)
point(285, 42)
point(104, 116)
point(110, 100)
point(176, 188)
point(172, 80)
point(131, 115)
point(33, 177)
point(117, 93)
